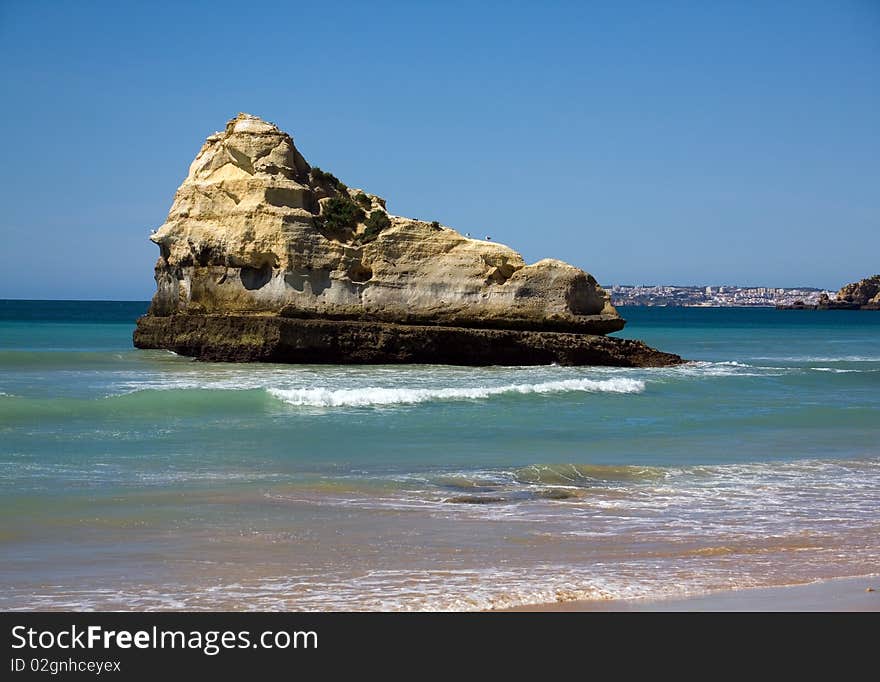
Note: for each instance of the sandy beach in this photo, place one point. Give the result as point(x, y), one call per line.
point(842, 594)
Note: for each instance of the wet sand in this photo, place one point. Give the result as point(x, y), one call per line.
point(843, 594)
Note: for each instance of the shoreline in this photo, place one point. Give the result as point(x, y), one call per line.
point(832, 594)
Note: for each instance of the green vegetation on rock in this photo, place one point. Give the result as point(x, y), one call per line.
point(322, 177)
point(339, 214)
point(377, 222)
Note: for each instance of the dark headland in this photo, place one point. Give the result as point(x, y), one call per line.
point(861, 295)
point(266, 258)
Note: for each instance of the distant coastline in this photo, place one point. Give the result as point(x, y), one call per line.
point(713, 296)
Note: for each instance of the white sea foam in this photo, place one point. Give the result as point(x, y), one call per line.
point(730, 368)
point(835, 370)
point(375, 395)
point(821, 358)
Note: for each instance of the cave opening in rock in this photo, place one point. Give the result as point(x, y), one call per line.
point(256, 278)
point(360, 273)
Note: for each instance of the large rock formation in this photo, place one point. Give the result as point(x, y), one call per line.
point(861, 295)
point(864, 293)
point(254, 231)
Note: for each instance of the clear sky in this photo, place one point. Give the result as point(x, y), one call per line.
point(647, 142)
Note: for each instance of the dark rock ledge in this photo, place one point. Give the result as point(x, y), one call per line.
point(269, 338)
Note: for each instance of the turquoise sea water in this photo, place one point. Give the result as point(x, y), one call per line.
point(139, 479)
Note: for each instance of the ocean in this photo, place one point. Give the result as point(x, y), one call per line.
point(143, 480)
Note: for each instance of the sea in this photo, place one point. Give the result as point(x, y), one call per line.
point(134, 479)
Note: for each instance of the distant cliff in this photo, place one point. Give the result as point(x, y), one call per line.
point(865, 293)
point(254, 230)
point(861, 295)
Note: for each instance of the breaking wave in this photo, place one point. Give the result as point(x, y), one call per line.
point(364, 397)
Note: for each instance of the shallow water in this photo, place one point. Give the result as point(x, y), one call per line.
point(140, 479)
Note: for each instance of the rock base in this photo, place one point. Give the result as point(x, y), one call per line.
point(270, 338)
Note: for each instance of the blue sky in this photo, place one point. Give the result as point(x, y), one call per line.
point(647, 142)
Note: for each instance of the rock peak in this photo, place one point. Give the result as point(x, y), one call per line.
point(248, 123)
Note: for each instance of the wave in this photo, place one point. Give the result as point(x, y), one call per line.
point(733, 368)
point(729, 368)
point(181, 401)
point(835, 370)
point(622, 485)
point(585, 475)
point(821, 358)
point(375, 395)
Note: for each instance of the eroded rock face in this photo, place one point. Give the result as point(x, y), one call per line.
point(255, 229)
point(865, 292)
